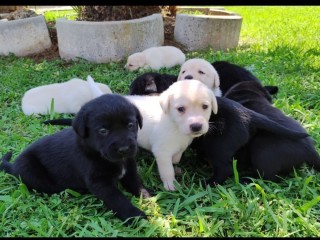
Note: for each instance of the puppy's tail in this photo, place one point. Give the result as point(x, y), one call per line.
point(265, 123)
point(61, 122)
point(95, 90)
point(5, 165)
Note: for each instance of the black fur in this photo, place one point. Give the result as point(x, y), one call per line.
point(272, 155)
point(231, 74)
point(231, 129)
point(91, 157)
point(151, 83)
point(62, 122)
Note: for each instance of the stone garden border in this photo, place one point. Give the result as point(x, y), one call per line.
point(107, 41)
point(218, 29)
point(24, 36)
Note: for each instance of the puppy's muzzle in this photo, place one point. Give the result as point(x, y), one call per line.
point(123, 150)
point(188, 77)
point(195, 127)
point(119, 151)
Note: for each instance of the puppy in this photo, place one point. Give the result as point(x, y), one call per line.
point(231, 129)
point(203, 71)
point(156, 58)
point(172, 120)
point(92, 156)
point(270, 155)
point(68, 97)
point(151, 83)
point(230, 74)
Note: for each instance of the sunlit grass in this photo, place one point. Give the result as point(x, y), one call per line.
point(280, 45)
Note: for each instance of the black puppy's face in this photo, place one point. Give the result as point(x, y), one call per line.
point(109, 129)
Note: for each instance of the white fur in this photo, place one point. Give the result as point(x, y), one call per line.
point(68, 96)
point(202, 70)
point(156, 58)
point(166, 132)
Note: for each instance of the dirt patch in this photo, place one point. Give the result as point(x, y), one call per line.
point(53, 52)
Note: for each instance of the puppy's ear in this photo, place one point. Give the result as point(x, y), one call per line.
point(214, 103)
point(164, 101)
point(79, 123)
point(139, 116)
point(95, 90)
point(179, 76)
point(216, 82)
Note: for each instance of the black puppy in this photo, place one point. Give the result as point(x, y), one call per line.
point(151, 83)
point(269, 154)
point(231, 74)
point(231, 129)
point(92, 156)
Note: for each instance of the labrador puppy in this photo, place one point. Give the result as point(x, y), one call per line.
point(151, 83)
point(92, 156)
point(272, 156)
point(230, 129)
point(230, 74)
point(203, 71)
point(156, 58)
point(172, 120)
point(68, 97)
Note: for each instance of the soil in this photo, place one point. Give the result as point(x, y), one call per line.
point(53, 52)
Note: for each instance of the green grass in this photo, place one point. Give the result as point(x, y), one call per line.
point(280, 45)
point(53, 15)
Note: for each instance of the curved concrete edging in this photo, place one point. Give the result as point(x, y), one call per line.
point(103, 42)
point(219, 30)
point(24, 36)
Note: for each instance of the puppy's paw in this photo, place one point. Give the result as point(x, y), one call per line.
point(245, 180)
point(136, 216)
point(168, 185)
point(211, 182)
point(146, 193)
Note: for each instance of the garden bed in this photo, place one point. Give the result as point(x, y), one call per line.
point(24, 36)
point(218, 29)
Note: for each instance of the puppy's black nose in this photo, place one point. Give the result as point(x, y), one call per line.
point(123, 150)
point(196, 127)
point(188, 77)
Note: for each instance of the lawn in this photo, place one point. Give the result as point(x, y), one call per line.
point(280, 45)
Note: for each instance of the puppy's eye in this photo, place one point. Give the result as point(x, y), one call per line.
point(183, 72)
point(130, 65)
point(181, 109)
point(205, 106)
point(103, 131)
point(200, 72)
point(130, 125)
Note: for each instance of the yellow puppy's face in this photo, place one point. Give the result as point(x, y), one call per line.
point(201, 70)
point(135, 61)
point(189, 104)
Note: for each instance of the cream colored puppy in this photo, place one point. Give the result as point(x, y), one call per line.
point(156, 58)
point(68, 96)
point(202, 70)
point(171, 121)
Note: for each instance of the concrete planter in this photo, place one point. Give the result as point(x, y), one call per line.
point(218, 29)
point(103, 42)
point(24, 36)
